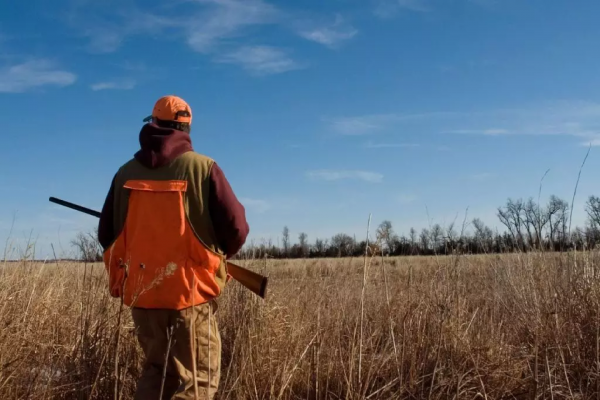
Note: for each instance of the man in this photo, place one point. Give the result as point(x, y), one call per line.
point(168, 224)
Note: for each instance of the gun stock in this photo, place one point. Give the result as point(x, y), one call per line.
point(251, 280)
point(254, 282)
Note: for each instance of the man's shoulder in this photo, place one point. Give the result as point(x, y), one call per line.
point(193, 156)
point(189, 159)
point(193, 161)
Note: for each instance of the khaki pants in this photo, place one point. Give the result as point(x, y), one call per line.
point(153, 329)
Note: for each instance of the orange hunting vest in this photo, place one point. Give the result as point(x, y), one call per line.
point(157, 261)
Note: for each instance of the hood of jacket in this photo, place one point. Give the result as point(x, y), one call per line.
point(159, 146)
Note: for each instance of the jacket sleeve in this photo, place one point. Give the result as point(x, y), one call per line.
point(227, 213)
point(106, 223)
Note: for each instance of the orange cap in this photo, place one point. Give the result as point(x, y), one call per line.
point(171, 108)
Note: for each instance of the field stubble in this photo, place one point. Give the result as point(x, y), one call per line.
point(522, 326)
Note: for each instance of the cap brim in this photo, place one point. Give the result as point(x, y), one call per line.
point(148, 118)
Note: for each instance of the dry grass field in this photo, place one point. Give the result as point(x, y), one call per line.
point(520, 326)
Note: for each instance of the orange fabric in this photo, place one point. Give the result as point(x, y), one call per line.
point(157, 186)
point(157, 256)
point(166, 108)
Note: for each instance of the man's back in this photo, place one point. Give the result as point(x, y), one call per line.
point(213, 216)
point(168, 223)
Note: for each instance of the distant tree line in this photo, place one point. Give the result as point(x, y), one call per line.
point(527, 226)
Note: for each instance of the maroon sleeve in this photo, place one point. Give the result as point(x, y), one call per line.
point(106, 223)
point(227, 213)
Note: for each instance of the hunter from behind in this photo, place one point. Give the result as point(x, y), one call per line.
point(168, 225)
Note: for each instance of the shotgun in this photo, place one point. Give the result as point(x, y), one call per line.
point(249, 279)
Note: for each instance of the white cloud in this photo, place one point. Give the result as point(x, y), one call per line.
point(331, 35)
point(414, 5)
point(227, 19)
point(214, 28)
point(559, 118)
point(104, 40)
point(336, 175)
point(261, 60)
point(203, 24)
point(391, 145)
point(356, 125)
point(113, 85)
point(32, 74)
point(566, 118)
point(483, 176)
point(406, 198)
point(594, 142)
point(490, 132)
point(495, 132)
point(367, 124)
point(108, 35)
point(256, 205)
point(389, 8)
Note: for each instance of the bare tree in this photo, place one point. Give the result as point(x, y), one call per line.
point(425, 239)
point(286, 241)
point(557, 214)
point(512, 217)
point(343, 244)
point(320, 247)
point(413, 240)
point(437, 237)
point(302, 238)
point(592, 207)
point(386, 234)
point(537, 218)
point(484, 236)
point(88, 246)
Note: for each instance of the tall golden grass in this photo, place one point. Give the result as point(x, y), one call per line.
point(519, 326)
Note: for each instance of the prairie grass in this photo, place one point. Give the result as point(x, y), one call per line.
point(515, 326)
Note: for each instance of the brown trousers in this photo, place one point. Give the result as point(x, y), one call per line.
point(154, 328)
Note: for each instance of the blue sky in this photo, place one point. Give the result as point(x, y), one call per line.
point(319, 112)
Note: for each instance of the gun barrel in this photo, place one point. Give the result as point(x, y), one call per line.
point(249, 279)
point(75, 207)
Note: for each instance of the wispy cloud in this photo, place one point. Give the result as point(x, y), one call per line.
point(490, 131)
point(484, 3)
point(226, 19)
point(336, 175)
point(389, 8)
point(406, 198)
point(256, 205)
point(33, 74)
point(108, 35)
point(218, 29)
point(414, 5)
point(483, 176)
point(114, 85)
point(104, 40)
point(564, 118)
point(591, 142)
point(357, 125)
point(331, 35)
point(204, 25)
point(367, 124)
point(261, 60)
point(371, 145)
point(215, 28)
point(559, 118)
